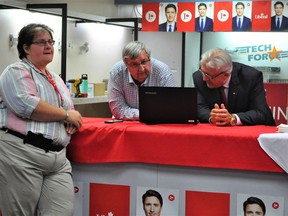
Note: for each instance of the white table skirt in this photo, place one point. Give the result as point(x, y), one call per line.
point(276, 146)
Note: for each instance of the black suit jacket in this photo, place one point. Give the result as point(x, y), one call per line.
point(163, 27)
point(284, 24)
point(208, 24)
point(246, 96)
point(246, 24)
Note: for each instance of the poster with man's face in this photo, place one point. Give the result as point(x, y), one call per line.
point(157, 201)
point(170, 14)
point(260, 205)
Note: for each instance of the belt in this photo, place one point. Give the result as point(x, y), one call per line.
point(36, 140)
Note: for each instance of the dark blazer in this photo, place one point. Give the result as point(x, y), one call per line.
point(246, 96)
point(162, 27)
point(246, 25)
point(208, 24)
point(284, 24)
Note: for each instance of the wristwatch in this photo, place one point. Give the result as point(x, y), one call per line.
point(233, 120)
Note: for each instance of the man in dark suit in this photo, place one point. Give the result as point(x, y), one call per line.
point(202, 22)
point(241, 22)
point(279, 22)
point(242, 91)
point(170, 25)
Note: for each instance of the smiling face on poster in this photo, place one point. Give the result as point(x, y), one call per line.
point(168, 12)
point(251, 204)
point(157, 202)
point(242, 8)
point(167, 17)
point(203, 9)
point(279, 8)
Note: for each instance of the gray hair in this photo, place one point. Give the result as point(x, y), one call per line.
point(133, 49)
point(217, 59)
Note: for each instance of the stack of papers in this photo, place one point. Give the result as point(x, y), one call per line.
point(282, 128)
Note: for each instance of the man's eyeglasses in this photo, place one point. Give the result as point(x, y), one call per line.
point(43, 42)
point(143, 64)
point(210, 76)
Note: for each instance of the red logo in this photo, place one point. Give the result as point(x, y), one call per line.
point(76, 189)
point(171, 197)
point(275, 205)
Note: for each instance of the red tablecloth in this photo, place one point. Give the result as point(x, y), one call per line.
point(201, 145)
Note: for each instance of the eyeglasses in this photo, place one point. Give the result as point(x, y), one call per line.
point(43, 42)
point(143, 64)
point(210, 76)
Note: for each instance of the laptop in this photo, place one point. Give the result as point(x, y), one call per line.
point(159, 105)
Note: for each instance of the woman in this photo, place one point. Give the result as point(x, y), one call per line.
point(37, 119)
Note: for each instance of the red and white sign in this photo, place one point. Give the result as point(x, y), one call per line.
point(186, 16)
point(261, 20)
point(109, 200)
point(207, 203)
point(150, 17)
point(276, 95)
point(222, 16)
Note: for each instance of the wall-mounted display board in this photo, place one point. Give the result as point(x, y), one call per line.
point(215, 16)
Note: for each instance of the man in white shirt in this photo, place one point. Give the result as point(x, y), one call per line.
point(136, 69)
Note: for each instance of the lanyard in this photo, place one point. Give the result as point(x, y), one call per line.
point(50, 79)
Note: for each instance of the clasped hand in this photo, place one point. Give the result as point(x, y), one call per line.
point(74, 122)
point(220, 116)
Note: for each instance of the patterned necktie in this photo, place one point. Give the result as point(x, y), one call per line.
point(239, 24)
point(201, 25)
point(170, 28)
point(278, 23)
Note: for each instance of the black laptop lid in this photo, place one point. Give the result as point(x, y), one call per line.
point(167, 105)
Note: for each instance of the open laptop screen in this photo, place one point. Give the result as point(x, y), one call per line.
point(167, 105)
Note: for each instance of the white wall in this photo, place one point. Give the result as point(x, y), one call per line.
point(10, 25)
point(166, 47)
point(105, 43)
point(105, 8)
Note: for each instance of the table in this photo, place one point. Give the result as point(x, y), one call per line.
point(201, 145)
point(187, 158)
point(276, 146)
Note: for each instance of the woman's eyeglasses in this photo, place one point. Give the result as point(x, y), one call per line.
point(43, 42)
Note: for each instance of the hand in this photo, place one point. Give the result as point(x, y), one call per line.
point(220, 116)
point(70, 128)
point(74, 119)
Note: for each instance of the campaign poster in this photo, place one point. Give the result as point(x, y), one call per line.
point(168, 17)
point(260, 205)
point(279, 9)
point(222, 16)
point(204, 16)
point(261, 20)
point(79, 198)
point(186, 17)
point(207, 203)
point(164, 202)
point(150, 16)
point(109, 200)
